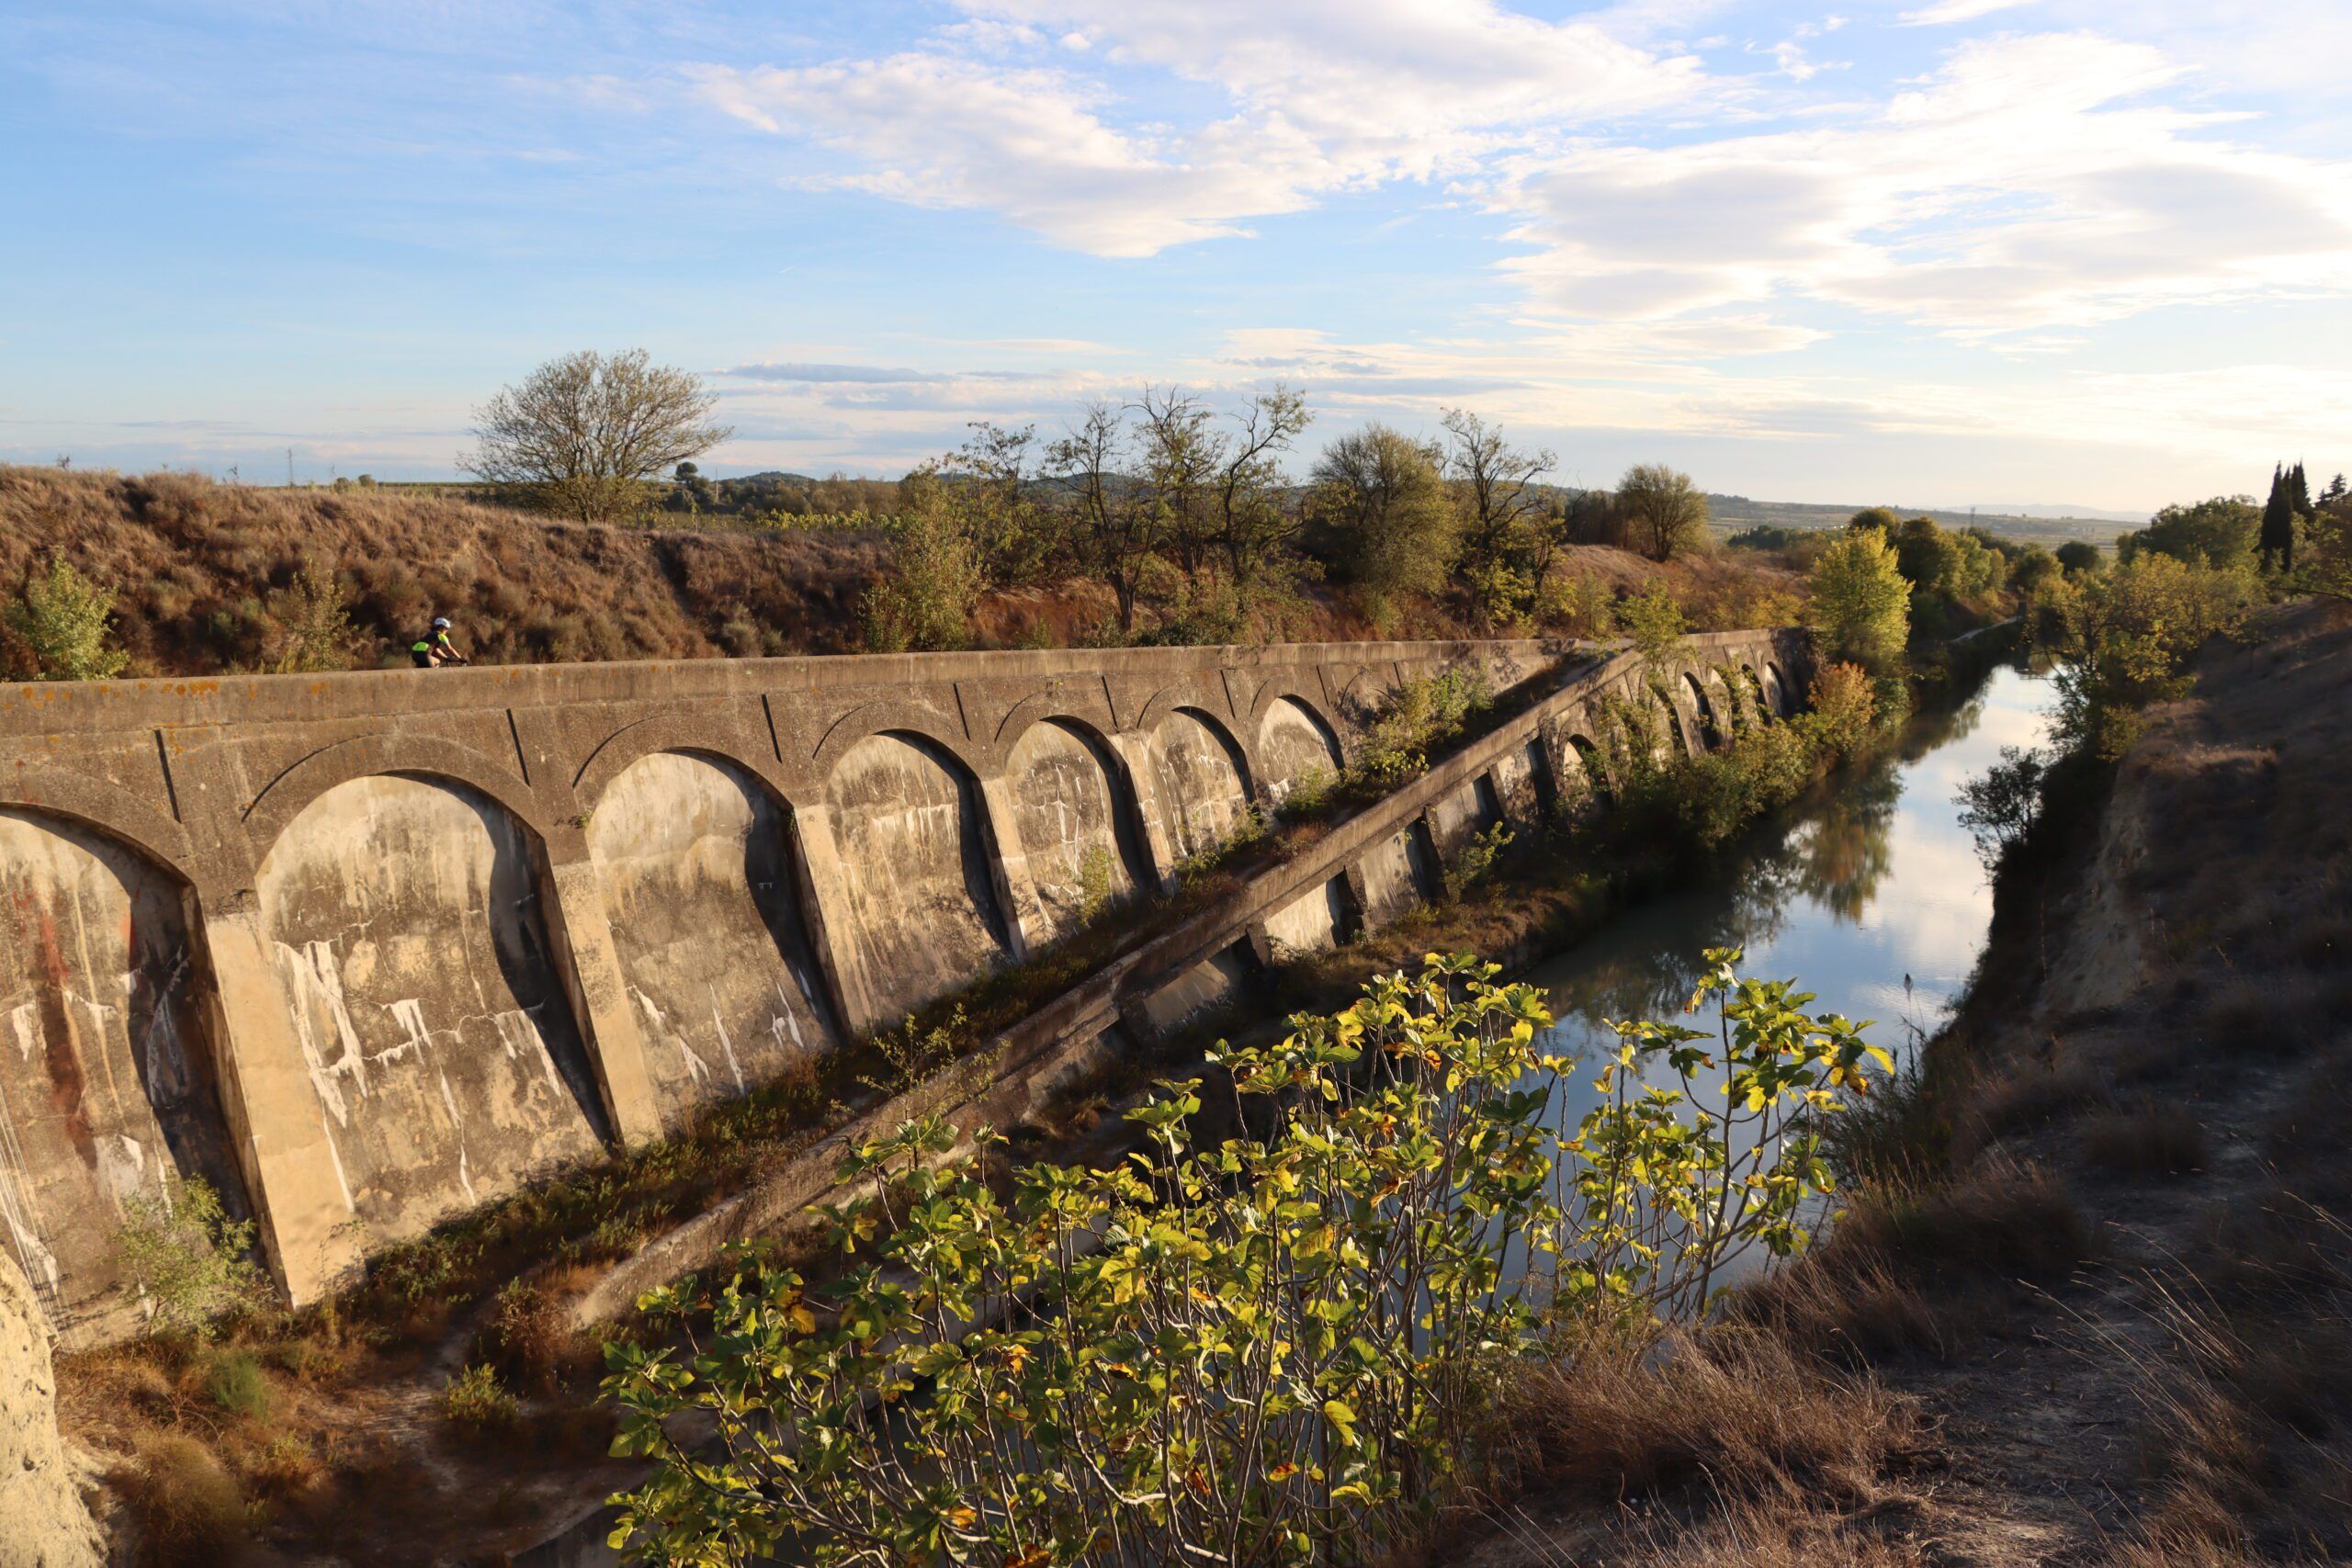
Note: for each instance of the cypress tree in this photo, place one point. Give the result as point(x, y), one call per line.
point(2278, 537)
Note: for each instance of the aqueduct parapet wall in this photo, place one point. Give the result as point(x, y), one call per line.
point(365, 950)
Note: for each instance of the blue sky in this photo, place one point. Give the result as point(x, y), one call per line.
point(1938, 252)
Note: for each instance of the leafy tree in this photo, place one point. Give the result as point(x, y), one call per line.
point(2220, 531)
point(185, 1258)
point(2000, 809)
point(2079, 556)
point(1379, 493)
point(583, 433)
point(1665, 512)
point(923, 599)
point(1861, 602)
point(2127, 637)
point(1929, 558)
point(2035, 569)
point(1114, 528)
point(1654, 622)
point(1267, 1351)
point(1880, 517)
point(2327, 550)
point(991, 474)
point(61, 617)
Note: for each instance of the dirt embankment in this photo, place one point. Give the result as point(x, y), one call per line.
point(2091, 1302)
point(202, 574)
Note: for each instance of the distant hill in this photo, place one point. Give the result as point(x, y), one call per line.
point(2048, 525)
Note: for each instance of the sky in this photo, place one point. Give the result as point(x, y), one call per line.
point(1933, 252)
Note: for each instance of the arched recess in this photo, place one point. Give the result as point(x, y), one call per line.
point(404, 912)
point(1758, 701)
point(107, 1079)
point(1776, 686)
point(1711, 729)
point(1294, 746)
point(1679, 729)
point(1073, 823)
point(1200, 781)
point(921, 914)
point(695, 860)
point(1584, 775)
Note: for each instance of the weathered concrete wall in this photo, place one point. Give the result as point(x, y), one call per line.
point(1198, 794)
point(404, 914)
point(922, 915)
point(704, 903)
point(373, 946)
point(106, 1088)
point(1293, 744)
point(1069, 840)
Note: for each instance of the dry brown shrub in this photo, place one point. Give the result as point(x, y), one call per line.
point(184, 1505)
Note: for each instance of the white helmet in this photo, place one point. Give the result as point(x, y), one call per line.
point(440, 621)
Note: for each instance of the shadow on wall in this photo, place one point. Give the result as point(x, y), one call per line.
point(106, 1076)
point(404, 915)
point(922, 916)
point(696, 863)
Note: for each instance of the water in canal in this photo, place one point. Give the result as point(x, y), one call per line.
point(1872, 896)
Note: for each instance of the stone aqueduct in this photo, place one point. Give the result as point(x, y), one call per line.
point(365, 949)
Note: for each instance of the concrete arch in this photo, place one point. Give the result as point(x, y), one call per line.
point(108, 807)
point(1093, 716)
point(293, 792)
point(702, 735)
point(904, 718)
point(1293, 739)
point(695, 858)
point(920, 911)
point(1584, 769)
point(1713, 729)
point(403, 915)
point(1076, 838)
point(1198, 790)
point(111, 1089)
point(1777, 687)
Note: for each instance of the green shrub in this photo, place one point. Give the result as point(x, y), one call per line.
point(1477, 859)
point(475, 1400)
point(1282, 1342)
point(237, 1384)
point(1654, 623)
point(62, 616)
point(314, 624)
point(923, 599)
point(185, 1258)
point(1422, 713)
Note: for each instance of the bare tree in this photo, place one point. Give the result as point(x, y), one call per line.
point(1665, 512)
point(1496, 483)
point(1253, 525)
point(1180, 460)
point(1114, 525)
point(586, 431)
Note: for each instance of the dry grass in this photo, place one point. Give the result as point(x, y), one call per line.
point(1736, 1407)
point(194, 565)
point(187, 1511)
point(2147, 1137)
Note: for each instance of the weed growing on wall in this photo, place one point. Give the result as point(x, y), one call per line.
point(1273, 1350)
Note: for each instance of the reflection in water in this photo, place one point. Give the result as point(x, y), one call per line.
point(1872, 897)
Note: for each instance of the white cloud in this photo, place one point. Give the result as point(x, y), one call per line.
point(2023, 185)
point(1032, 145)
point(1948, 11)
